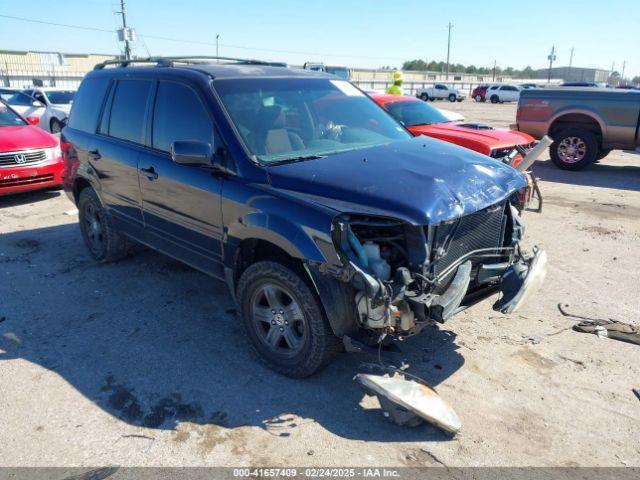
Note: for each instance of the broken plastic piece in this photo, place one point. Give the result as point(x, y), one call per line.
point(520, 281)
point(403, 399)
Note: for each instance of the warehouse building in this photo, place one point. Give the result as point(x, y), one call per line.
point(575, 74)
point(47, 69)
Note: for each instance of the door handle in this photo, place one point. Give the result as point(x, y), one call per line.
point(95, 154)
point(150, 173)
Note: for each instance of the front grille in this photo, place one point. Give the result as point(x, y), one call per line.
point(21, 158)
point(20, 181)
point(483, 229)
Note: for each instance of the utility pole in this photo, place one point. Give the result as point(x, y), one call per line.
point(127, 47)
point(217, 51)
point(571, 58)
point(551, 58)
point(448, 48)
point(624, 65)
point(494, 69)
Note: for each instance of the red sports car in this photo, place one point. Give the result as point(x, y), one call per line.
point(479, 94)
point(29, 157)
point(502, 144)
point(423, 119)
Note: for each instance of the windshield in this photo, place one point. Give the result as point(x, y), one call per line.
point(18, 99)
point(289, 119)
point(9, 118)
point(341, 72)
point(62, 97)
point(412, 113)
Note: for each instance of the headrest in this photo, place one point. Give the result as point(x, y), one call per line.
point(270, 118)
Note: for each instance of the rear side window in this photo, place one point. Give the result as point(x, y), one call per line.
point(129, 109)
point(179, 115)
point(87, 104)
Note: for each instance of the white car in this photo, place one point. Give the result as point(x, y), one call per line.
point(23, 103)
point(503, 93)
point(440, 91)
point(57, 102)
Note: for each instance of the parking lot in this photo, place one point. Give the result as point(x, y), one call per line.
point(140, 362)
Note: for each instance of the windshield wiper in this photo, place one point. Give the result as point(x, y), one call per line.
point(301, 158)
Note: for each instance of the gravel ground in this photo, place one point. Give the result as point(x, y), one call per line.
point(141, 362)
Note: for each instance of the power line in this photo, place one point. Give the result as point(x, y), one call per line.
point(197, 42)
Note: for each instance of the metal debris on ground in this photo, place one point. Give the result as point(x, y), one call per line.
point(604, 328)
point(408, 402)
point(636, 391)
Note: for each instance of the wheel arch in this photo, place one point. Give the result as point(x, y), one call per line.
point(577, 119)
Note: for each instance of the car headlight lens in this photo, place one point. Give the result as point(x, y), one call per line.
point(53, 153)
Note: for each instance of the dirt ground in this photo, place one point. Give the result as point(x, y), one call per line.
point(141, 362)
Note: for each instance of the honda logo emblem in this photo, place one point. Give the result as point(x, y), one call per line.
point(20, 158)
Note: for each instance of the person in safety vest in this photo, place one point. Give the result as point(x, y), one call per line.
point(396, 88)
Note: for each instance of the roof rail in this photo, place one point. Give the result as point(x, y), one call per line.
point(190, 59)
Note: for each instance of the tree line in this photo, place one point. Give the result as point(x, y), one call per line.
point(433, 66)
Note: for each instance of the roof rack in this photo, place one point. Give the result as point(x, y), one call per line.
point(189, 60)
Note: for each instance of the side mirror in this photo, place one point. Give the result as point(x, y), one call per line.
point(37, 103)
point(33, 120)
point(191, 152)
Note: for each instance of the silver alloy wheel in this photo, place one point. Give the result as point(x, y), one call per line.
point(572, 149)
point(55, 126)
point(278, 320)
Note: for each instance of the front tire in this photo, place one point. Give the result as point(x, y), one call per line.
point(284, 321)
point(424, 97)
point(573, 148)
point(55, 126)
point(452, 98)
point(478, 98)
point(105, 244)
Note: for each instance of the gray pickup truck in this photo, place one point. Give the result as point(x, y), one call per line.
point(584, 123)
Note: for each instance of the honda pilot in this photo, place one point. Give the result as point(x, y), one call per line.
point(331, 225)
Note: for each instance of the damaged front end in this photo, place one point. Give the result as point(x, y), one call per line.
point(406, 276)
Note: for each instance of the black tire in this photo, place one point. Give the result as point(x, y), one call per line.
point(601, 154)
point(317, 343)
point(424, 97)
point(432, 99)
point(585, 145)
point(55, 126)
point(105, 244)
point(494, 99)
point(452, 97)
point(478, 98)
point(459, 99)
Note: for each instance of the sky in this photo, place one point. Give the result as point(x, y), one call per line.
point(356, 33)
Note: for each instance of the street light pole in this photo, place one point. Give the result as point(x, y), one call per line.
point(494, 69)
point(217, 51)
point(571, 58)
point(448, 48)
point(551, 58)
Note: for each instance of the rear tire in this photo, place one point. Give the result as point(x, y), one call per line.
point(105, 244)
point(284, 321)
point(452, 98)
point(573, 148)
point(478, 98)
point(424, 97)
point(494, 99)
point(55, 126)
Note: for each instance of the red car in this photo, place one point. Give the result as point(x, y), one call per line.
point(479, 94)
point(423, 119)
point(29, 157)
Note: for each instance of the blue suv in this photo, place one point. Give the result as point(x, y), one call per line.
point(330, 223)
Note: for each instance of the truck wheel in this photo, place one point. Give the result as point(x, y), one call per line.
point(452, 97)
point(424, 96)
point(105, 244)
point(284, 321)
point(573, 148)
point(478, 98)
point(494, 99)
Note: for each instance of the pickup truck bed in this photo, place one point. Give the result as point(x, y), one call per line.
point(585, 123)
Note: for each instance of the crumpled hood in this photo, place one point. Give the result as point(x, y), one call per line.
point(422, 181)
point(494, 138)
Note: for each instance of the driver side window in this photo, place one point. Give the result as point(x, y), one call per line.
point(179, 115)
